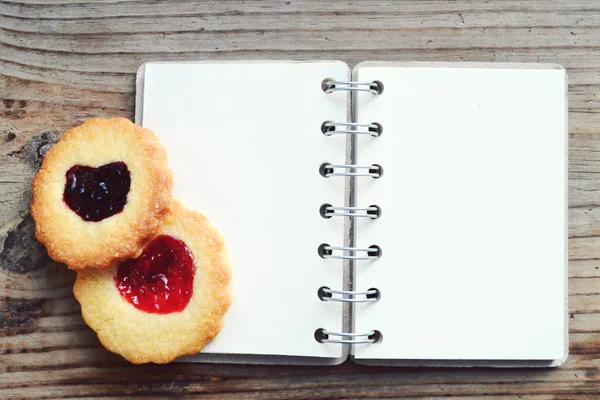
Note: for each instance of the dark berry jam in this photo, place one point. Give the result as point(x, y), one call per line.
point(161, 279)
point(97, 193)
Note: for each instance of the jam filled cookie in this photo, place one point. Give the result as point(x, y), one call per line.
point(166, 303)
point(101, 192)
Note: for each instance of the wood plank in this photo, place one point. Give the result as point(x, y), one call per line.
point(64, 61)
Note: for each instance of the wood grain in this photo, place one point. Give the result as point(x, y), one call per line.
point(62, 62)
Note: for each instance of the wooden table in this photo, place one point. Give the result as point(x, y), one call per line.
point(62, 62)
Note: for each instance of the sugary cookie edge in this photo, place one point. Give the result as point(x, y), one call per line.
point(122, 244)
point(220, 293)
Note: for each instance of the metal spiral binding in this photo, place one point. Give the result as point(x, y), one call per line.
point(328, 170)
point(329, 128)
point(323, 336)
point(328, 211)
point(372, 253)
point(369, 296)
point(330, 85)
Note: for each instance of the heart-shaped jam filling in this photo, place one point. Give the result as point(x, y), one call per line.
point(97, 193)
point(161, 279)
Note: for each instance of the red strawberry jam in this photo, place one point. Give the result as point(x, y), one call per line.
point(161, 279)
point(97, 193)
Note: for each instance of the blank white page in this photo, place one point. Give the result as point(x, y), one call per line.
point(473, 225)
point(245, 145)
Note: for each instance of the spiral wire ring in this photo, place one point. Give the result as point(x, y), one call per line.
point(330, 128)
point(367, 337)
point(372, 212)
point(326, 251)
point(328, 170)
point(329, 86)
point(326, 294)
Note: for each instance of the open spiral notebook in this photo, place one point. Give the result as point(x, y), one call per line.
point(399, 213)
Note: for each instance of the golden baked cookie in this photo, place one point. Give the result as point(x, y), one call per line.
point(100, 193)
point(168, 302)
